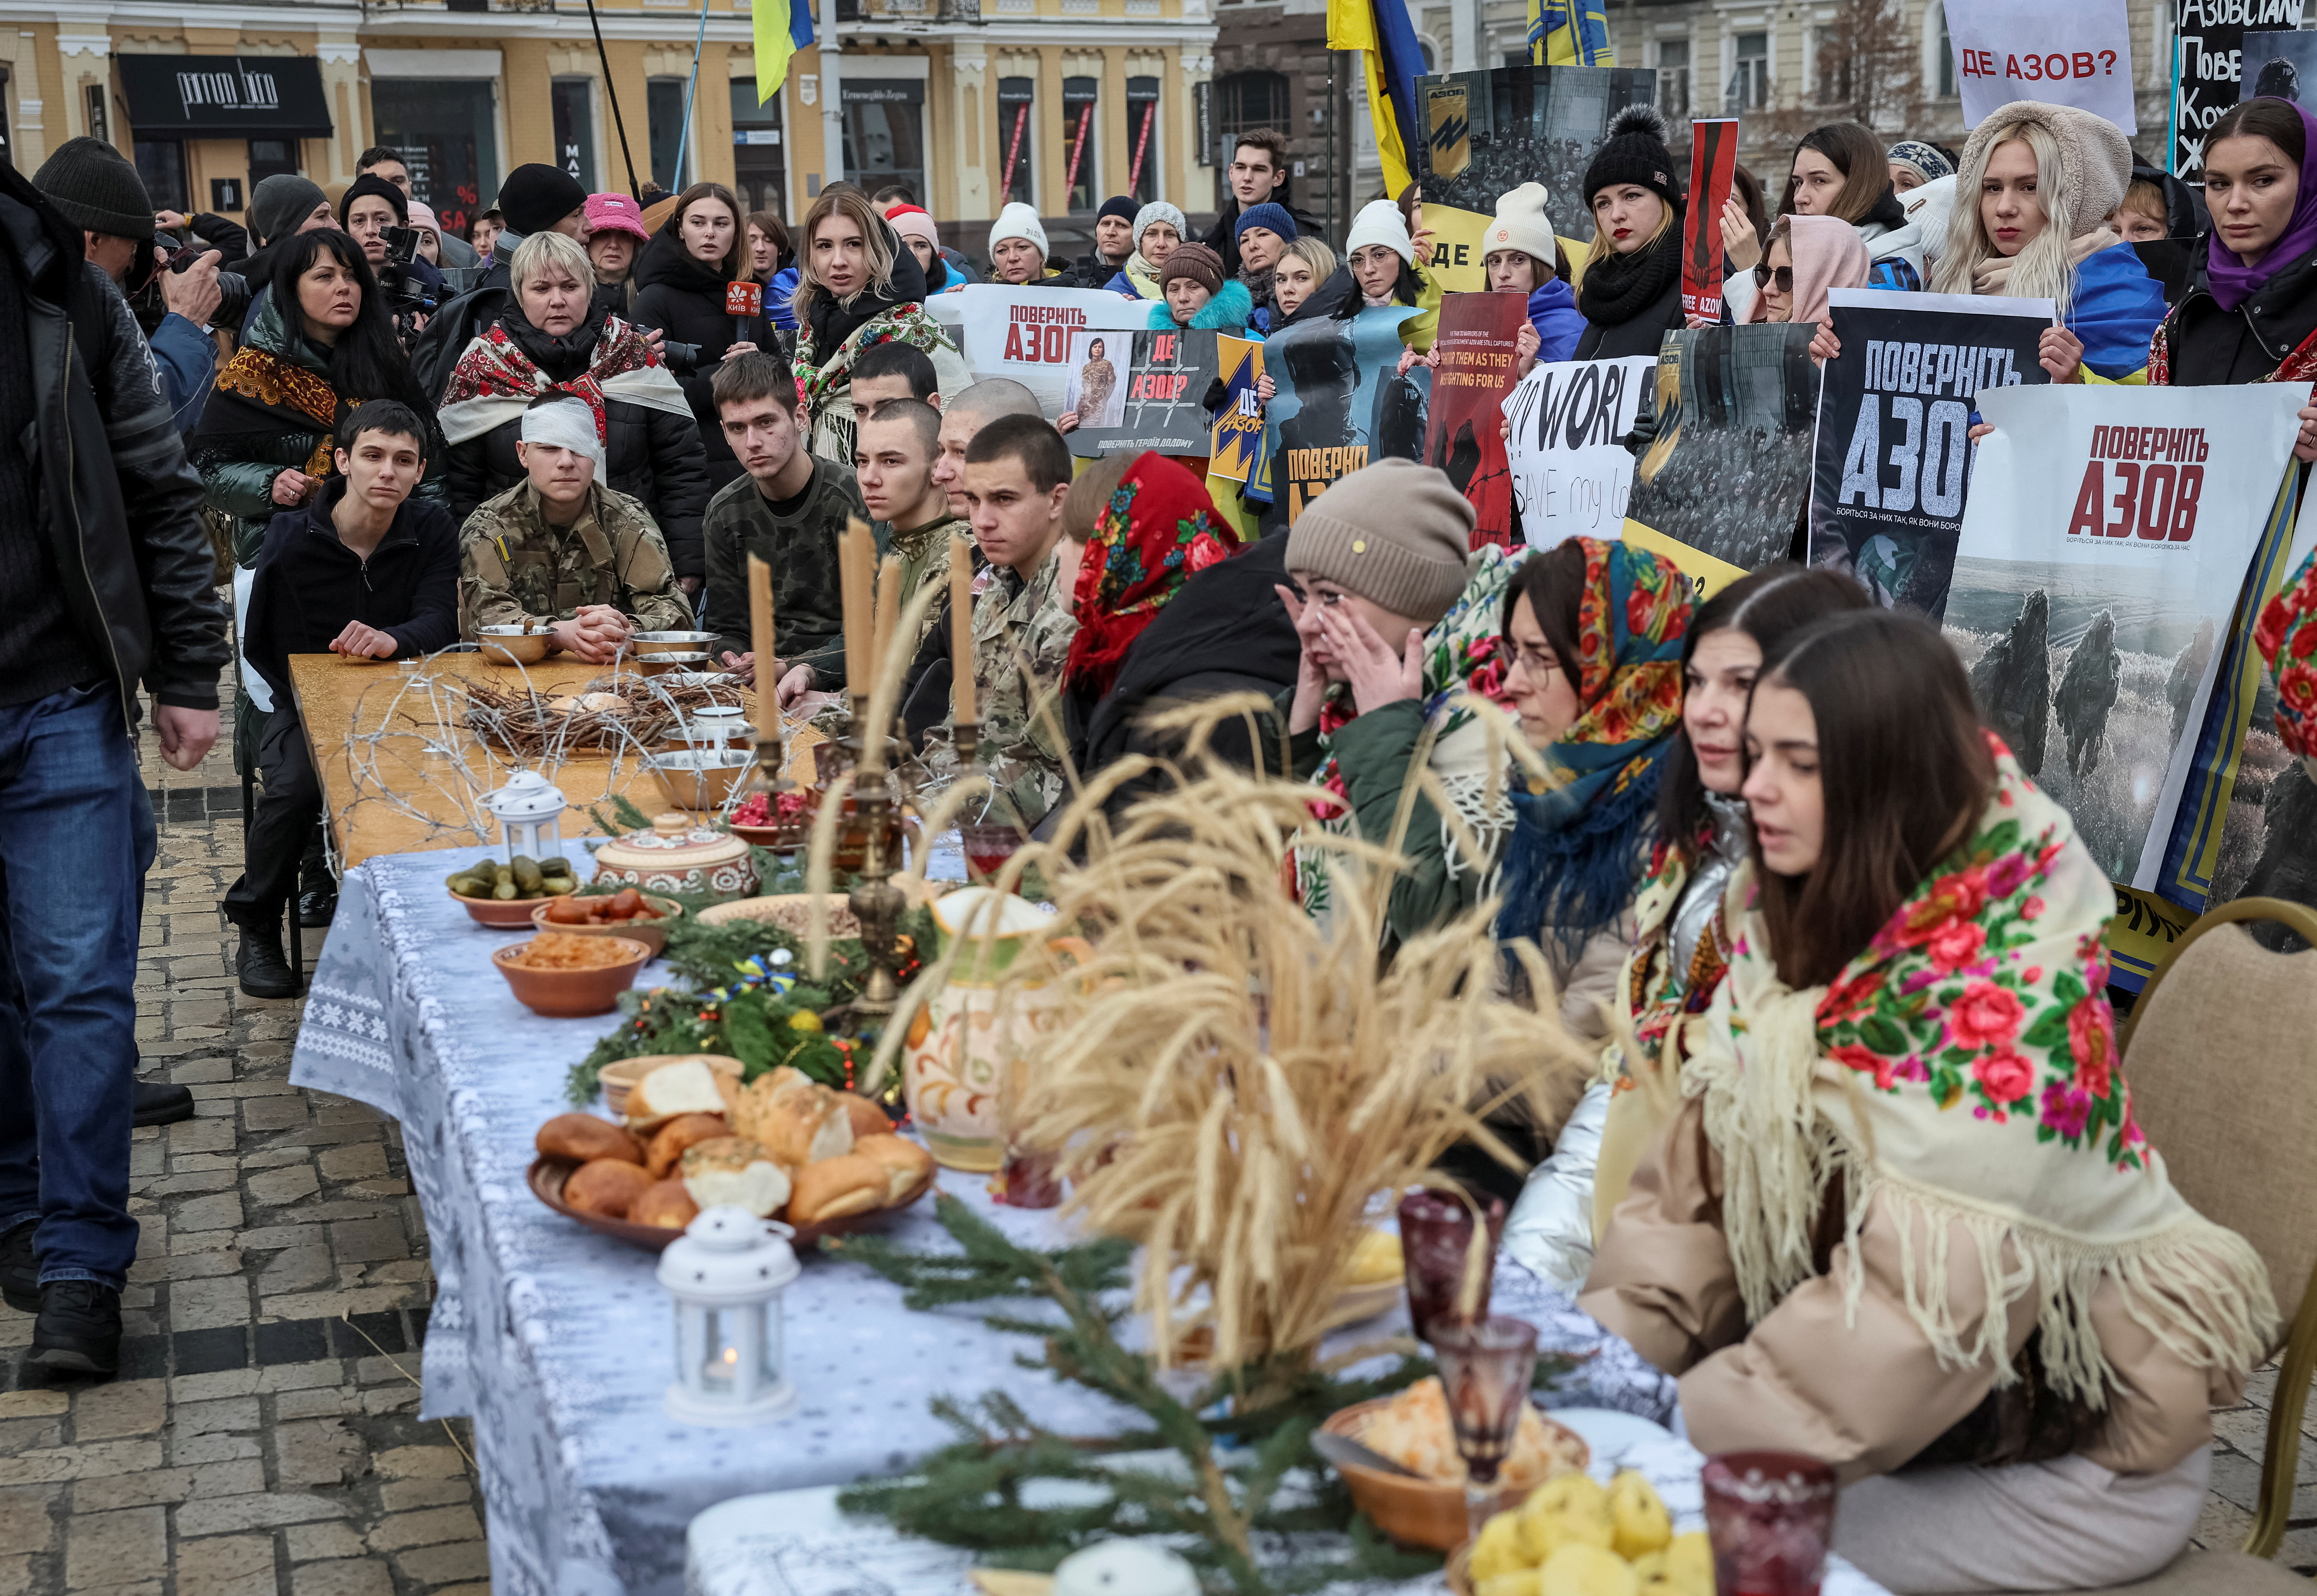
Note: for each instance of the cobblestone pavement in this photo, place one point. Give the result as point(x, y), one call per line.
point(263, 1437)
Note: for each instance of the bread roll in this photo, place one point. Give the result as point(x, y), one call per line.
point(686, 1130)
point(837, 1188)
point(907, 1166)
point(687, 1086)
point(867, 1118)
point(801, 1121)
point(664, 1203)
point(735, 1170)
point(584, 1136)
point(606, 1186)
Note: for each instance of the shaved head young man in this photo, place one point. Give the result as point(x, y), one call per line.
point(966, 416)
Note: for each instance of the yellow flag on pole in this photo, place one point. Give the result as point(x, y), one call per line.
point(775, 43)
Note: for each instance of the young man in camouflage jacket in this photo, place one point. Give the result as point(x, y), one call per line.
point(1017, 472)
point(561, 548)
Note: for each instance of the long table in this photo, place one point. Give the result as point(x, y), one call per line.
point(400, 771)
point(558, 1343)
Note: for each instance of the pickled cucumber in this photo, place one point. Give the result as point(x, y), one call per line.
point(527, 875)
point(505, 891)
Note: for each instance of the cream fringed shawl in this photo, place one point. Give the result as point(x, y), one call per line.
point(1962, 1073)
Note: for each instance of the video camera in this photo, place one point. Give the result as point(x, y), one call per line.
point(150, 307)
point(408, 297)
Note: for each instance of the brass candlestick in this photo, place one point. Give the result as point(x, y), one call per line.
point(965, 736)
point(877, 903)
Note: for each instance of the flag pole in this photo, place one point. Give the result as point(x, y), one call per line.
point(612, 93)
point(683, 135)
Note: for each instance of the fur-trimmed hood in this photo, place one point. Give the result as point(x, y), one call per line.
point(1227, 310)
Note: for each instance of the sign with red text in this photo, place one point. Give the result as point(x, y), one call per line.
point(1477, 361)
point(1142, 391)
point(2062, 52)
point(1713, 169)
point(1027, 333)
point(2095, 591)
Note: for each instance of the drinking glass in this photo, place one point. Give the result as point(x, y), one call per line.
point(1770, 1516)
point(1436, 1233)
point(1485, 1367)
point(988, 846)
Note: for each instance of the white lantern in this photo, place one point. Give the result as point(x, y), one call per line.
point(530, 814)
point(727, 1273)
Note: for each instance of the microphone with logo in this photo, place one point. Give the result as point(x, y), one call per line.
point(744, 302)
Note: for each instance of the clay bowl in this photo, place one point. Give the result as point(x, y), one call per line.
point(505, 914)
point(652, 934)
point(572, 994)
point(620, 1077)
point(1413, 1511)
point(547, 1176)
point(511, 645)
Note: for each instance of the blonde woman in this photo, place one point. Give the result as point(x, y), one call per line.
point(1630, 286)
point(856, 286)
point(1305, 267)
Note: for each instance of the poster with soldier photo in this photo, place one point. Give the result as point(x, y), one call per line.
point(2097, 597)
point(1476, 360)
point(1486, 133)
point(1891, 472)
point(1159, 398)
point(1727, 469)
point(1339, 402)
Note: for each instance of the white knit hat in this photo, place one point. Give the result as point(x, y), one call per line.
point(1522, 224)
point(1159, 210)
point(1380, 222)
point(1018, 221)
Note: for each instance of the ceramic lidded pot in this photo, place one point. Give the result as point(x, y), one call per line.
point(679, 855)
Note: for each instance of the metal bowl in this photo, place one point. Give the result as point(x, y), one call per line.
point(648, 644)
point(699, 779)
point(512, 645)
point(670, 664)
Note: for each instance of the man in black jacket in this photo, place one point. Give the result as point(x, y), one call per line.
point(111, 584)
point(1258, 176)
point(364, 569)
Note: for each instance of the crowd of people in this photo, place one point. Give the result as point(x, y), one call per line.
point(1761, 843)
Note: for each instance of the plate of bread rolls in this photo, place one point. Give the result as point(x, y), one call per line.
point(783, 1147)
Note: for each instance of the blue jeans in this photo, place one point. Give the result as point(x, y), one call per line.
point(75, 838)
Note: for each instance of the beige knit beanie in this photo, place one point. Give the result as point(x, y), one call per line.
point(1396, 532)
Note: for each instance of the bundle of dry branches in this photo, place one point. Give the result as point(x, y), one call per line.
point(611, 715)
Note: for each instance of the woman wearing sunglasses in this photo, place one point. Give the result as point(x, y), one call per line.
point(1807, 255)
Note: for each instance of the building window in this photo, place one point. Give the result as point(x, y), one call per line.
point(442, 128)
point(573, 102)
point(270, 157)
point(664, 115)
point(1142, 138)
point(884, 133)
point(1946, 56)
point(1749, 86)
point(1081, 161)
point(1017, 140)
point(1673, 79)
point(1244, 102)
point(1829, 68)
point(759, 159)
point(161, 163)
point(99, 124)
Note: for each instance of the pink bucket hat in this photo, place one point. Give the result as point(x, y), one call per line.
point(616, 213)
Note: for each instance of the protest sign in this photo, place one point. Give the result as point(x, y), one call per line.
point(1728, 471)
point(1477, 354)
point(2208, 74)
point(1892, 468)
point(1027, 333)
point(1339, 402)
point(1237, 440)
point(1571, 472)
point(2097, 587)
point(1491, 132)
point(1713, 167)
point(1157, 399)
point(2062, 52)
point(2280, 66)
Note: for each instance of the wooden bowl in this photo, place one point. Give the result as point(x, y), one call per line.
point(547, 1176)
point(619, 1078)
point(1414, 1512)
point(652, 934)
point(505, 914)
point(572, 994)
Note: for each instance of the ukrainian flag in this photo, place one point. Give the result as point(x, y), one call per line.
point(784, 27)
point(1386, 40)
point(1569, 33)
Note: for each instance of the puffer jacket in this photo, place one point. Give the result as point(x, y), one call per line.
point(120, 506)
point(683, 297)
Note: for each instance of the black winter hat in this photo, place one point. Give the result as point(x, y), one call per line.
point(536, 196)
point(370, 183)
point(1635, 151)
point(94, 187)
point(1122, 205)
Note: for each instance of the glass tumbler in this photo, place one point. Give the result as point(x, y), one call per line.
point(1770, 1516)
point(1435, 1235)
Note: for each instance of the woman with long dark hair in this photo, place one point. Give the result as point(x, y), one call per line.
point(857, 284)
point(1681, 944)
point(1903, 1219)
point(1842, 171)
point(681, 285)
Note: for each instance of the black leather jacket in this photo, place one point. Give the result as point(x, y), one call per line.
point(118, 502)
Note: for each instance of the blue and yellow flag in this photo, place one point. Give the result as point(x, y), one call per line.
point(1569, 33)
point(784, 27)
point(1386, 40)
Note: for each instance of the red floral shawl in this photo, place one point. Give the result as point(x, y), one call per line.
point(1158, 528)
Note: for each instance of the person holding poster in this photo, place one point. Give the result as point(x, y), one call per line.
point(1808, 256)
point(1159, 230)
point(2045, 176)
point(1629, 287)
point(1522, 258)
point(1839, 170)
point(2012, 1363)
point(1385, 271)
